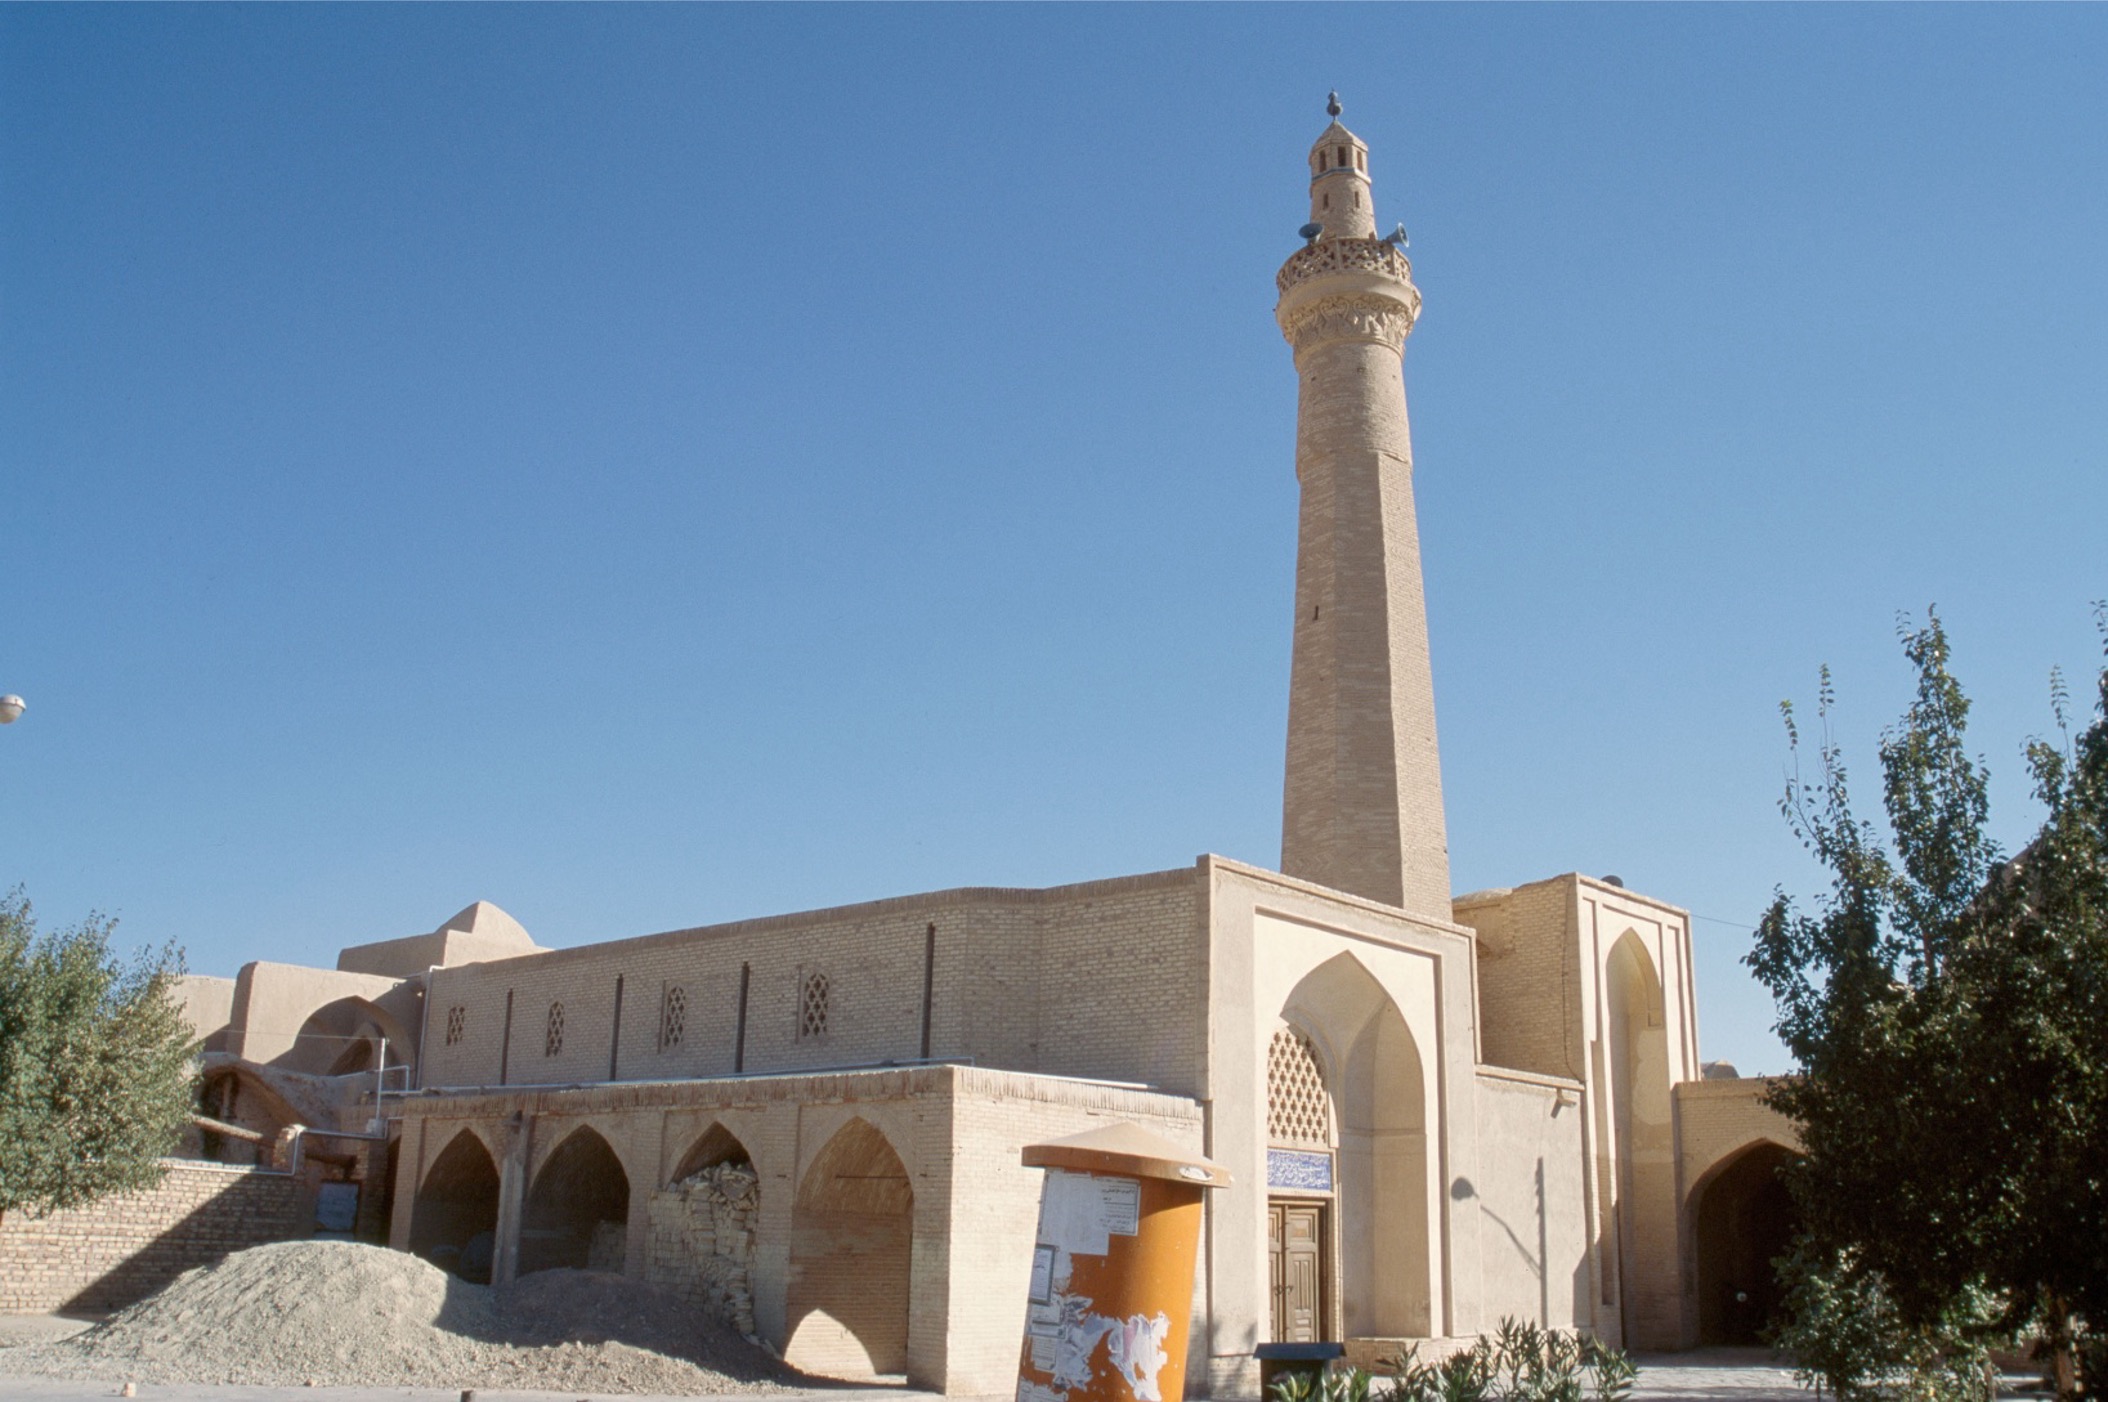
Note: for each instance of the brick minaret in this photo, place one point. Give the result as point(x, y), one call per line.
point(1362, 807)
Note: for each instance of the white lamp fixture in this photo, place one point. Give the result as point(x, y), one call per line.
point(11, 709)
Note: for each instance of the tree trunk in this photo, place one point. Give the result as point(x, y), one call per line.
point(2063, 1350)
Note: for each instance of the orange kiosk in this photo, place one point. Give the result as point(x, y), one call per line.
point(1111, 1296)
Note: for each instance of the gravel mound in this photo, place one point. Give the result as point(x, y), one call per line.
point(336, 1313)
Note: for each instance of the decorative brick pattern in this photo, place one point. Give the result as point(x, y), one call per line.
point(673, 1018)
point(812, 1008)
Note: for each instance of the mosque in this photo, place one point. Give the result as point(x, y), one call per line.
point(1437, 1111)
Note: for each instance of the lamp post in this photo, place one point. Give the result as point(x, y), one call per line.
point(11, 709)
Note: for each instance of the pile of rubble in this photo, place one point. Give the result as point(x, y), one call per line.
point(335, 1313)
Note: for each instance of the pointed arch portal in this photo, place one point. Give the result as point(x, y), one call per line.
point(578, 1208)
point(852, 1248)
point(1383, 1203)
point(456, 1209)
point(1743, 1222)
point(1642, 1138)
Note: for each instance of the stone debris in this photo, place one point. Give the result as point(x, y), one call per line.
point(344, 1314)
point(703, 1241)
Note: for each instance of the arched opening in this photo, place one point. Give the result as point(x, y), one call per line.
point(252, 1112)
point(1641, 1149)
point(360, 1055)
point(1383, 1202)
point(456, 1209)
point(577, 1209)
point(852, 1244)
point(1744, 1220)
point(345, 1037)
point(703, 1227)
point(717, 1146)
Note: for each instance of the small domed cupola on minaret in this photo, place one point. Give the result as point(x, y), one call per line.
point(1339, 182)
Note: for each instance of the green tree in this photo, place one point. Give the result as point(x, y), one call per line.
point(1949, 1013)
point(95, 1063)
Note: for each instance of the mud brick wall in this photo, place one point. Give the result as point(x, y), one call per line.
point(120, 1249)
point(702, 1242)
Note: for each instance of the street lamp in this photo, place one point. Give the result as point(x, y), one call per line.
point(11, 709)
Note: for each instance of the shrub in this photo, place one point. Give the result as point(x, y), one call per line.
point(1518, 1363)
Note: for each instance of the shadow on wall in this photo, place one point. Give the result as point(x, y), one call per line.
point(117, 1251)
point(852, 1245)
point(344, 1037)
point(577, 1209)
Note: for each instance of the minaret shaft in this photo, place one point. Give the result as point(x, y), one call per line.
point(1362, 803)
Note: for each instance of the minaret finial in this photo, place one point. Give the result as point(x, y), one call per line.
point(1332, 107)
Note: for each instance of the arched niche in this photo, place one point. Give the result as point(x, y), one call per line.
point(577, 1211)
point(345, 1037)
point(1742, 1220)
point(1384, 1196)
point(360, 1055)
point(1641, 1135)
point(455, 1211)
point(714, 1146)
point(852, 1259)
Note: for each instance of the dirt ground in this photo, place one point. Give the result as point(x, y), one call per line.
point(335, 1314)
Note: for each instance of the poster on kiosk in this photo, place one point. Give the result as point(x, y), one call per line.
point(1111, 1294)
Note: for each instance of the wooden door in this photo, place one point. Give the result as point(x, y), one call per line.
point(1295, 1249)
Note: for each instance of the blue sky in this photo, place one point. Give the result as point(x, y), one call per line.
point(650, 466)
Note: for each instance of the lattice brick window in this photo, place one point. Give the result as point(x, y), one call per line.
point(555, 1042)
point(812, 1008)
point(1298, 1108)
point(456, 1024)
point(673, 1018)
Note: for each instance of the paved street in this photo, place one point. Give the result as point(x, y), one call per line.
point(1729, 1374)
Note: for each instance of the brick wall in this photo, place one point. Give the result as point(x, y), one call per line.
point(1714, 1119)
point(123, 1248)
point(702, 1241)
point(1529, 977)
point(1076, 981)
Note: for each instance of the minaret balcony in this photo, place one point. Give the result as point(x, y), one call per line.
point(1344, 255)
point(1357, 289)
